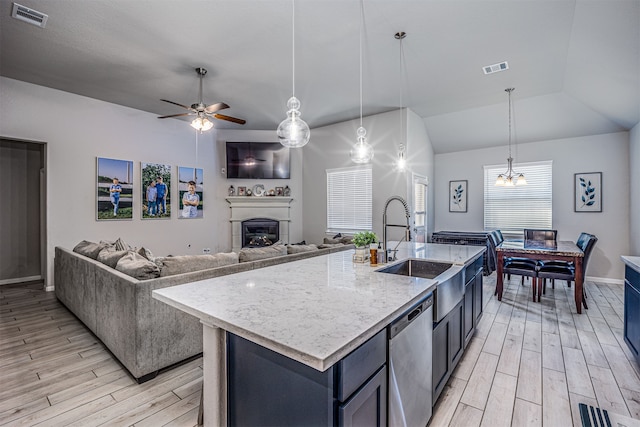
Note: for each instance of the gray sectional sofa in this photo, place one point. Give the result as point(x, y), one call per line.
point(144, 334)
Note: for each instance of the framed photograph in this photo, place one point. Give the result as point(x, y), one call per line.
point(587, 187)
point(190, 188)
point(458, 196)
point(114, 194)
point(156, 197)
point(279, 191)
point(242, 191)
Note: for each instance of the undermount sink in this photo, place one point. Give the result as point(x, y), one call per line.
point(417, 268)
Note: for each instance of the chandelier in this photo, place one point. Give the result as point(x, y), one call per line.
point(510, 177)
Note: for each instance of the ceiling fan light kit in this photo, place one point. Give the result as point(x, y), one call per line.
point(203, 111)
point(293, 132)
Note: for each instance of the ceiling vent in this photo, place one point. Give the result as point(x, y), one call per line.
point(490, 69)
point(29, 16)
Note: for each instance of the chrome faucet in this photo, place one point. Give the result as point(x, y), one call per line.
point(407, 227)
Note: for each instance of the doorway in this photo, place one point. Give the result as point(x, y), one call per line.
point(419, 208)
point(23, 211)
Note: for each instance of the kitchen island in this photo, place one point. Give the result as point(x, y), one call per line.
point(314, 311)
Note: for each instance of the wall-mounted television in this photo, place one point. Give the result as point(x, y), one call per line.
point(258, 160)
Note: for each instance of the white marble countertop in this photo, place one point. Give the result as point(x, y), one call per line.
point(316, 310)
point(632, 261)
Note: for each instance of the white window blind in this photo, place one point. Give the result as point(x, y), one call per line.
point(349, 202)
point(512, 209)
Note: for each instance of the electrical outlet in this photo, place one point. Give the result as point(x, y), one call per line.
point(206, 251)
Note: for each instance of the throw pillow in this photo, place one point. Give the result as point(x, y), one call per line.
point(137, 266)
point(337, 236)
point(146, 253)
point(89, 249)
point(121, 245)
point(347, 240)
point(110, 257)
point(188, 263)
point(295, 249)
point(254, 254)
point(304, 242)
point(329, 245)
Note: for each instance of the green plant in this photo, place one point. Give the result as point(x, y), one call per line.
point(364, 238)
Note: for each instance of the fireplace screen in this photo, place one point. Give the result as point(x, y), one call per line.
point(260, 232)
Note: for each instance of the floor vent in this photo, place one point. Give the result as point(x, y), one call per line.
point(29, 16)
point(490, 69)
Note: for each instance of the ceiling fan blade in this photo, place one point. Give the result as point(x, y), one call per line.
point(175, 115)
point(175, 103)
point(229, 119)
point(215, 107)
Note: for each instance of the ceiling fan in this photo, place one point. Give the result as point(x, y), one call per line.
point(202, 111)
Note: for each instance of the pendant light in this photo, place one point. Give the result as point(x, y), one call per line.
point(362, 151)
point(293, 132)
point(401, 162)
point(510, 177)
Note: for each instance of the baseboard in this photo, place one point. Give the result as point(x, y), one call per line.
point(20, 280)
point(605, 280)
point(50, 288)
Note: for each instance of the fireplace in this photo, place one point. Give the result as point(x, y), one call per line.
point(258, 232)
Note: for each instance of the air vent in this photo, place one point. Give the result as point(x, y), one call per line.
point(29, 16)
point(490, 69)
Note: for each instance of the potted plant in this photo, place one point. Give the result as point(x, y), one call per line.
point(362, 240)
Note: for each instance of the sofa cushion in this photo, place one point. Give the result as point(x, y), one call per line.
point(296, 249)
point(89, 249)
point(146, 253)
point(110, 257)
point(346, 240)
point(329, 241)
point(137, 266)
point(188, 263)
point(254, 254)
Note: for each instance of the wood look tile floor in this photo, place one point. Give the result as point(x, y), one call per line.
point(528, 364)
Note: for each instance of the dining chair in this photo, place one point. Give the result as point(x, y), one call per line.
point(581, 242)
point(567, 272)
point(540, 234)
point(514, 265)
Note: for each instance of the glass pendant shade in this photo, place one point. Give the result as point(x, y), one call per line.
point(293, 132)
point(201, 123)
point(362, 151)
point(401, 163)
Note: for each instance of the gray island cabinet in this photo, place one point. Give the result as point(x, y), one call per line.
point(306, 342)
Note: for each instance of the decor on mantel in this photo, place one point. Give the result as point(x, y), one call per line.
point(293, 132)
point(458, 196)
point(362, 152)
point(507, 179)
point(401, 163)
point(588, 192)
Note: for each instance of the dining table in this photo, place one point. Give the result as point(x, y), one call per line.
point(542, 250)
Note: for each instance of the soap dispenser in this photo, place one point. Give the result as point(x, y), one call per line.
point(381, 259)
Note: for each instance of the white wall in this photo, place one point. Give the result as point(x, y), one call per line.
point(634, 213)
point(79, 129)
point(329, 148)
point(598, 153)
point(222, 209)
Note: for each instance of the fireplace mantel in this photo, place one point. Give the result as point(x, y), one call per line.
point(248, 207)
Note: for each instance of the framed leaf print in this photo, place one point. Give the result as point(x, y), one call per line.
point(588, 192)
point(458, 196)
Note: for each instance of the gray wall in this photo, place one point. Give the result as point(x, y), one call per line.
point(598, 153)
point(20, 165)
point(634, 167)
point(329, 148)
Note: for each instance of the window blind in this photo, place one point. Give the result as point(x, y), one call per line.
point(512, 209)
point(349, 201)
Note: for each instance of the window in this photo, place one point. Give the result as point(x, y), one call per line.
point(512, 209)
point(349, 203)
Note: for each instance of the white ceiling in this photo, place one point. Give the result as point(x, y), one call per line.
point(575, 64)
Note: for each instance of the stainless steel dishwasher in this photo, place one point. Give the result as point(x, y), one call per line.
point(410, 357)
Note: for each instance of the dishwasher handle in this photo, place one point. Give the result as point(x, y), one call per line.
point(409, 316)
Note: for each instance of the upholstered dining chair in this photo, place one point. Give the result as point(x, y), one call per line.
point(540, 234)
point(513, 265)
point(581, 242)
point(555, 270)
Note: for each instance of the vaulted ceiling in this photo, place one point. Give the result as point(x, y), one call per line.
point(575, 64)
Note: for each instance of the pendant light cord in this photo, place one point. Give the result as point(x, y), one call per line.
point(509, 91)
point(401, 78)
point(361, 30)
point(293, 46)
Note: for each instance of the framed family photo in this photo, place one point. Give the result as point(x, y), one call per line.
point(458, 196)
point(114, 189)
point(156, 197)
point(190, 188)
point(587, 188)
